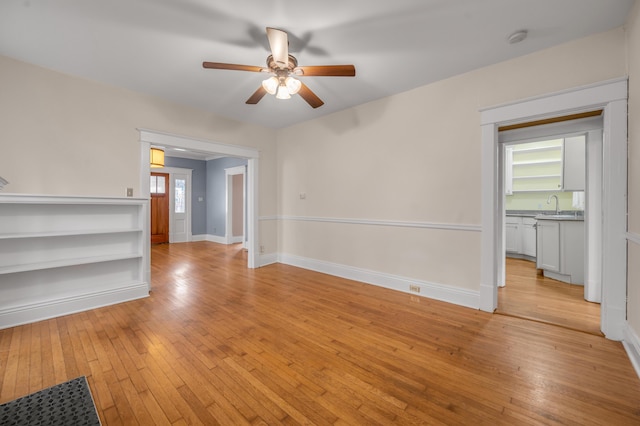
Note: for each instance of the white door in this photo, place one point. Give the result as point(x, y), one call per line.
point(180, 207)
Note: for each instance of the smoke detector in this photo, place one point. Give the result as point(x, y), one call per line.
point(517, 36)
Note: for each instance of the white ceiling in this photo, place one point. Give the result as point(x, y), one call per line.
point(158, 46)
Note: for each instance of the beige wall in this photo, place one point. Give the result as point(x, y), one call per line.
point(68, 136)
point(415, 157)
point(633, 280)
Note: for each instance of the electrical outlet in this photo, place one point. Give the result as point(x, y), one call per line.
point(129, 192)
point(261, 249)
point(414, 288)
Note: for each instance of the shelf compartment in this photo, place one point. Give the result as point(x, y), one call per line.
point(96, 232)
point(61, 263)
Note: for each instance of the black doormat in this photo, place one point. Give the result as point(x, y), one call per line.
point(69, 403)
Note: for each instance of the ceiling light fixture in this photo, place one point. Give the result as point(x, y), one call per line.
point(283, 86)
point(517, 36)
point(157, 158)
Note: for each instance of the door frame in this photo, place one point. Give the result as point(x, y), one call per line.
point(229, 173)
point(611, 97)
point(252, 155)
point(172, 171)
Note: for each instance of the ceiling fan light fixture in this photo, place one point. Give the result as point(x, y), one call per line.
point(293, 85)
point(271, 85)
point(283, 92)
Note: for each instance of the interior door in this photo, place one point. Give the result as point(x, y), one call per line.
point(159, 208)
point(180, 229)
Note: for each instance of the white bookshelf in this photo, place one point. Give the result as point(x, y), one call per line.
point(60, 255)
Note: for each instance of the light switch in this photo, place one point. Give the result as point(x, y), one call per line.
point(129, 192)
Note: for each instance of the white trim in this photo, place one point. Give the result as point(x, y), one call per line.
point(210, 237)
point(15, 316)
point(269, 218)
point(631, 344)
point(268, 259)
point(208, 147)
point(610, 96)
point(375, 222)
point(149, 137)
point(569, 101)
point(633, 237)
point(455, 295)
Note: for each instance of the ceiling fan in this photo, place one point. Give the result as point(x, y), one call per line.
point(284, 68)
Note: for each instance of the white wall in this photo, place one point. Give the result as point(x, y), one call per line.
point(415, 157)
point(633, 277)
point(68, 136)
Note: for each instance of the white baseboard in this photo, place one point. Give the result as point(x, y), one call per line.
point(631, 344)
point(11, 317)
point(235, 240)
point(210, 237)
point(268, 259)
point(445, 293)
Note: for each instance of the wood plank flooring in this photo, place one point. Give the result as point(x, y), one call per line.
point(532, 296)
point(216, 343)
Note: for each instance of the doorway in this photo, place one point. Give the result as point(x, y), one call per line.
point(150, 137)
point(611, 97)
point(236, 206)
point(552, 269)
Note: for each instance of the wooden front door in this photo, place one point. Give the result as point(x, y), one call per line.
point(159, 208)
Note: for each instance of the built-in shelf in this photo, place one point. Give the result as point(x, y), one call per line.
point(65, 233)
point(60, 255)
point(535, 162)
point(538, 177)
point(61, 263)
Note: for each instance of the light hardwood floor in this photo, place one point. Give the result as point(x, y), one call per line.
point(216, 343)
point(532, 296)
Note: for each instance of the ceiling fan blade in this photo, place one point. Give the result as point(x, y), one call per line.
point(235, 67)
point(257, 95)
point(279, 43)
point(311, 98)
point(326, 71)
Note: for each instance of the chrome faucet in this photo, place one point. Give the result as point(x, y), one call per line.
point(549, 201)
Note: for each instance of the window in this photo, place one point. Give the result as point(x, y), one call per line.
point(180, 196)
point(157, 185)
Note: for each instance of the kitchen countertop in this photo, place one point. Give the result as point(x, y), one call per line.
point(547, 214)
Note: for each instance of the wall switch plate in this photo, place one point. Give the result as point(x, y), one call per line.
point(129, 192)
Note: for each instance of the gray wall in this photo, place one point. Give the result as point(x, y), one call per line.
point(216, 193)
point(198, 189)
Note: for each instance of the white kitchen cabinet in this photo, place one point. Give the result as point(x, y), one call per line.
point(548, 246)
point(528, 237)
point(520, 236)
point(512, 234)
point(560, 246)
point(573, 163)
point(60, 255)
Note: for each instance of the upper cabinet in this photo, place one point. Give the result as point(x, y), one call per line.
point(544, 166)
point(573, 164)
